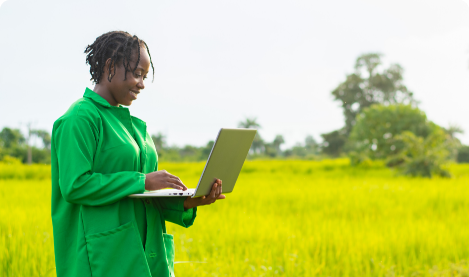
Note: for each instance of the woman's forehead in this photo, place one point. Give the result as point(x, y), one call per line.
point(144, 62)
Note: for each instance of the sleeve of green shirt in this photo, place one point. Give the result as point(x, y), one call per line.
point(75, 138)
point(173, 211)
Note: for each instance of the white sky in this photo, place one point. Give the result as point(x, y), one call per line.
point(217, 62)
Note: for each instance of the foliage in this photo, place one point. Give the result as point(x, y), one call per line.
point(13, 143)
point(374, 133)
point(273, 149)
point(334, 142)
point(307, 218)
point(160, 142)
point(44, 136)
point(187, 153)
point(423, 156)
point(463, 154)
point(260, 148)
point(10, 138)
point(402, 135)
point(360, 90)
point(456, 144)
point(309, 150)
point(258, 145)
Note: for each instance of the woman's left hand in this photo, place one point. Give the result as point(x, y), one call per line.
point(214, 195)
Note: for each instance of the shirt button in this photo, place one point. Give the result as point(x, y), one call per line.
point(147, 201)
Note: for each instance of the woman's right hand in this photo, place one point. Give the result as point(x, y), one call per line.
point(162, 179)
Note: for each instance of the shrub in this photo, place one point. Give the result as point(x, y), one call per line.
point(422, 156)
point(375, 129)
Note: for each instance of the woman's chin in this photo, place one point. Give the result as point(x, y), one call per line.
point(126, 103)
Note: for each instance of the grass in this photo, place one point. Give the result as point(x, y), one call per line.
point(285, 218)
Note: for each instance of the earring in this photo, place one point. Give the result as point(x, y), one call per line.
point(110, 76)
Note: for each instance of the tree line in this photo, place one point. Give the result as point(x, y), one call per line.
point(382, 121)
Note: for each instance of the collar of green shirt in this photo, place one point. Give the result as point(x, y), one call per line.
point(98, 99)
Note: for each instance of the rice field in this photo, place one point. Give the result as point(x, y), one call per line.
point(285, 218)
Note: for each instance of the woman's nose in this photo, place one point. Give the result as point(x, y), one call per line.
point(141, 85)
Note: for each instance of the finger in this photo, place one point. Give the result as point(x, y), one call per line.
point(214, 191)
point(220, 190)
point(221, 196)
point(177, 181)
point(175, 185)
point(217, 191)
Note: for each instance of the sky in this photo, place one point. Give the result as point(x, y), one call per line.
point(219, 62)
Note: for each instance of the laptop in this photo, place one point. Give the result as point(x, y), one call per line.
point(224, 162)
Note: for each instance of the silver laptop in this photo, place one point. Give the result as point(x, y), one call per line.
point(224, 162)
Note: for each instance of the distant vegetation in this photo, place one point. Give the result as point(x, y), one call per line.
point(382, 122)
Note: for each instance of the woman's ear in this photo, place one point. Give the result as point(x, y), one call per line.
point(108, 70)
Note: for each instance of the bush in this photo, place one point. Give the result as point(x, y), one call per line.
point(375, 129)
point(422, 156)
point(463, 154)
point(12, 168)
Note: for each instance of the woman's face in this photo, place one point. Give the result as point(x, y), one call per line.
point(123, 92)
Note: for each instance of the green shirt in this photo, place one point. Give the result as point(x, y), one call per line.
point(100, 155)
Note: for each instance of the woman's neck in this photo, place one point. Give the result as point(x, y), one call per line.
point(105, 93)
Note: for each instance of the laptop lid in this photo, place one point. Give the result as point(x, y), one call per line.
point(226, 159)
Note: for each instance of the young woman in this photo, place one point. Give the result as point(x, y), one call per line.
point(100, 155)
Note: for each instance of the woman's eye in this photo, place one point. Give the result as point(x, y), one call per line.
point(137, 75)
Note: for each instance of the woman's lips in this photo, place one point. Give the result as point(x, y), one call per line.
point(133, 95)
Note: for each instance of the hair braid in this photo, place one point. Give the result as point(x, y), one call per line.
point(152, 68)
point(138, 51)
point(117, 46)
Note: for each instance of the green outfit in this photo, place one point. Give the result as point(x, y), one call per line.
point(100, 155)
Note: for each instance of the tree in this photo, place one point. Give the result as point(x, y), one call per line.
point(207, 149)
point(373, 135)
point(311, 146)
point(12, 143)
point(278, 141)
point(258, 145)
point(334, 142)
point(159, 140)
point(189, 152)
point(44, 136)
point(249, 123)
point(11, 137)
point(366, 86)
point(273, 149)
point(363, 88)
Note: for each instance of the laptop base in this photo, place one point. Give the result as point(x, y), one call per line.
point(164, 193)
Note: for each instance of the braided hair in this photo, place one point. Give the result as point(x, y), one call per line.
point(117, 46)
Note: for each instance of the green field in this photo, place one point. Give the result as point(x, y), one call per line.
point(285, 218)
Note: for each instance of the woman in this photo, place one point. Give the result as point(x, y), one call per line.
point(100, 155)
